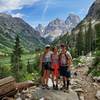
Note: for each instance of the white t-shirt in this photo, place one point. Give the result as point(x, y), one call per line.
point(63, 58)
point(47, 57)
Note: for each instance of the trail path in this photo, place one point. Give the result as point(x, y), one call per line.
point(88, 86)
point(82, 88)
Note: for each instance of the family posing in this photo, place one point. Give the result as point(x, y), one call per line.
point(58, 64)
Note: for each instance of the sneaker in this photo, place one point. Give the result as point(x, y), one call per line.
point(56, 88)
point(62, 88)
point(47, 87)
point(66, 90)
point(43, 86)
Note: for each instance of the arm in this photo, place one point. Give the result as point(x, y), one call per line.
point(69, 59)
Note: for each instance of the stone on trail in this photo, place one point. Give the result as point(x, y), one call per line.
point(44, 94)
point(98, 95)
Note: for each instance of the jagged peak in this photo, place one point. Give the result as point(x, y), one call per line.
point(5, 15)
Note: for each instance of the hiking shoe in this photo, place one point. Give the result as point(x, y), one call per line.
point(47, 87)
point(66, 89)
point(43, 86)
point(62, 88)
point(56, 88)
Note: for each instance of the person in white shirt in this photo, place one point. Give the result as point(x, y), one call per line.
point(65, 61)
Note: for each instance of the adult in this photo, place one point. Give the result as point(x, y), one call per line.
point(65, 60)
point(45, 63)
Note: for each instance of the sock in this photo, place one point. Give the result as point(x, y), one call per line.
point(68, 81)
point(64, 83)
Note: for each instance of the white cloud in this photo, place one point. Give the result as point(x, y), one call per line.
point(45, 8)
point(18, 15)
point(9, 5)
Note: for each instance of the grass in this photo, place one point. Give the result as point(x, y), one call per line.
point(5, 61)
point(5, 68)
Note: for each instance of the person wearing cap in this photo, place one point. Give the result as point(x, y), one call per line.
point(45, 62)
point(65, 61)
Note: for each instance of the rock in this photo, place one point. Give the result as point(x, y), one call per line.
point(98, 95)
point(54, 95)
point(82, 98)
point(96, 79)
point(79, 90)
point(95, 84)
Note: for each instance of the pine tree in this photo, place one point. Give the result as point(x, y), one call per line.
point(29, 67)
point(97, 28)
point(89, 39)
point(80, 42)
point(16, 62)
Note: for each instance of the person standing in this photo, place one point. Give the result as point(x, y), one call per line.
point(45, 63)
point(55, 67)
point(65, 61)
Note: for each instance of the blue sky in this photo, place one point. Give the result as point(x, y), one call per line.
point(42, 11)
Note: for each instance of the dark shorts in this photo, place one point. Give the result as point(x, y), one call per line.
point(65, 72)
point(46, 65)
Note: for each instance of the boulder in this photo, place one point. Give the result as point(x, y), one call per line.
point(96, 79)
point(40, 94)
point(98, 95)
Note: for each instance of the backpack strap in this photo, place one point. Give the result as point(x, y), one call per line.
point(65, 56)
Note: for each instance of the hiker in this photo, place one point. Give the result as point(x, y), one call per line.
point(55, 67)
point(45, 63)
point(65, 60)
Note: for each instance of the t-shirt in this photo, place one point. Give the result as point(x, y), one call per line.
point(64, 58)
point(47, 57)
point(55, 59)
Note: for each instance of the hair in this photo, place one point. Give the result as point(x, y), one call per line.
point(54, 48)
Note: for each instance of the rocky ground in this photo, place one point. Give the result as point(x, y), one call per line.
point(82, 88)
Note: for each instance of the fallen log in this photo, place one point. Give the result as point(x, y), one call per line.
point(7, 85)
point(23, 85)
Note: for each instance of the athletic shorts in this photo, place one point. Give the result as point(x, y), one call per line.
point(65, 72)
point(46, 66)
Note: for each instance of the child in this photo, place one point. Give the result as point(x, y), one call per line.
point(55, 67)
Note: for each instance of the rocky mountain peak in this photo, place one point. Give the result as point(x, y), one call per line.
point(72, 20)
point(57, 21)
point(94, 11)
point(4, 15)
point(97, 1)
point(40, 28)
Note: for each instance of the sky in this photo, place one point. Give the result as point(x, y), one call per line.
point(37, 12)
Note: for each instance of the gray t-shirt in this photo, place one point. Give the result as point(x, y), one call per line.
point(47, 57)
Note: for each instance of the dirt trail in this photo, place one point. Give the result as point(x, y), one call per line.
point(90, 88)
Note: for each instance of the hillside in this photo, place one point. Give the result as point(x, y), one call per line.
point(10, 27)
point(93, 18)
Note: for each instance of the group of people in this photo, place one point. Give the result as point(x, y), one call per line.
point(56, 62)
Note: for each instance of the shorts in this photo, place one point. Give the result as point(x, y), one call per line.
point(46, 66)
point(55, 70)
point(65, 72)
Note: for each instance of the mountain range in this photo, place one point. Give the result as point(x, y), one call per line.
point(10, 27)
point(92, 16)
point(58, 27)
